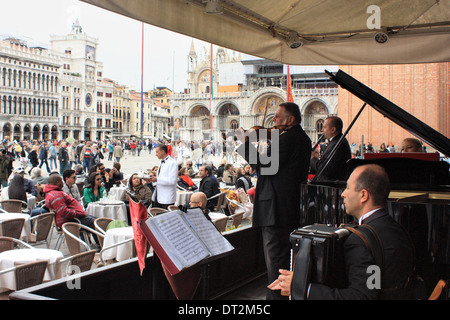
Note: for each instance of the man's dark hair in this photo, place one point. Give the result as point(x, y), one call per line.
point(293, 110)
point(54, 178)
point(67, 173)
point(208, 170)
point(163, 147)
point(376, 181)
point(337, 123)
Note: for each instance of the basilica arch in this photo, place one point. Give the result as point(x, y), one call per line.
point(227, 116)
point(314, 114)
point(269, 100)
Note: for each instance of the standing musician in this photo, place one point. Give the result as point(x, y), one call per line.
point(277, 195)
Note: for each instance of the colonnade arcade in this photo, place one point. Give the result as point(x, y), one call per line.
point(228, 115)
point(29, 131)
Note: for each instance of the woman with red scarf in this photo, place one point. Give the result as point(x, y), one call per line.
point(184, 181)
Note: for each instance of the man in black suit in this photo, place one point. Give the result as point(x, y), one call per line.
point(365, 198)
point(336, 168)
point(277, 194)
point(209, 185)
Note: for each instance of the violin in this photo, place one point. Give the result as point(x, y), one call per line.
point(268, 135)
point(280, 128)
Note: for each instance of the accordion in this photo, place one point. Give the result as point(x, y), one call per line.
point(317, 255)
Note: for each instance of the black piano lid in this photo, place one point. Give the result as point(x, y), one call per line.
point(393, 112)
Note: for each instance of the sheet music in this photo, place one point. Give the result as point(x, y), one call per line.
point(207, 232)
point(177, 238)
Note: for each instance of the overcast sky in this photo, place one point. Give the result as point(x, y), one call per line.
point(119, 38)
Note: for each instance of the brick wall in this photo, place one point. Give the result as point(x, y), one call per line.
point(420, 89)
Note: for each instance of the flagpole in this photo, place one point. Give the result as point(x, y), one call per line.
point(142, 85)
point(211, 90)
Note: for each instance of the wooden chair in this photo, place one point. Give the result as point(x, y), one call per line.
point(28, 274)
point(221, 224)
point(156, 211)
point(12, 228)
point(41, 228)
point(8, 243)
point(13, 205)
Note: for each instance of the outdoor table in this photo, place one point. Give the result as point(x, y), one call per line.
point(113, 209)
point(121, 252)
point(117, 193)
point(183, 197)
point(11, 258)
point(26, 231)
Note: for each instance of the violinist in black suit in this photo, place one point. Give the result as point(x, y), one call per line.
point(336, 168)
point(280, 169)
point(365, 198)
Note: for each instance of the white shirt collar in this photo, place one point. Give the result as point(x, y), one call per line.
point(368, 214)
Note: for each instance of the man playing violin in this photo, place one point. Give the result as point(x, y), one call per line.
point(277, 194)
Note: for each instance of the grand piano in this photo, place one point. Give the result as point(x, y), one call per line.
point(420, 189)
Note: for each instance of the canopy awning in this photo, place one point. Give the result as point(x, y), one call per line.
point(327, 32)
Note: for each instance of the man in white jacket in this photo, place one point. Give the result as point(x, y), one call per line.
point(166, 179)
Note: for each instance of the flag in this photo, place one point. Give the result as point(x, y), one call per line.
point(290, 97)
point(139, 212)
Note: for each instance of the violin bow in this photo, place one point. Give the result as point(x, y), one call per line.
point(265, 113)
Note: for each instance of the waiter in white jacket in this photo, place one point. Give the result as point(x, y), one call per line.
point(166, 180)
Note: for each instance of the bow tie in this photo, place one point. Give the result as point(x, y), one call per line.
point(162, 161)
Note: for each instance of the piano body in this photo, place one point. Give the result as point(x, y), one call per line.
point(420, 187)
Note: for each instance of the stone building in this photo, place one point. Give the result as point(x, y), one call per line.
point(87, 98)
point(29, 91)
point(235, 92)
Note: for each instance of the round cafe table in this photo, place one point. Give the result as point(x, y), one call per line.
point(11, 258)
point(121, 252)
point(183, 197)
point(115, 210)
point(117, 193)
point(26, 231)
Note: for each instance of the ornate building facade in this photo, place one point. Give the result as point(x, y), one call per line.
point(244, 93)
point(29, 91)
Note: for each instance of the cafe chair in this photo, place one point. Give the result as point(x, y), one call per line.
point(72, 235)
point(100, 226)
point(8, 243)
point(221, 224)
point(102, 261)
point(16, 206)
point(12, 227)
point(83, 261)
point(221, 203)
point(173, 208)
point(41, 228)
point(236, 219)
point(28, 274)
point(155, 211)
